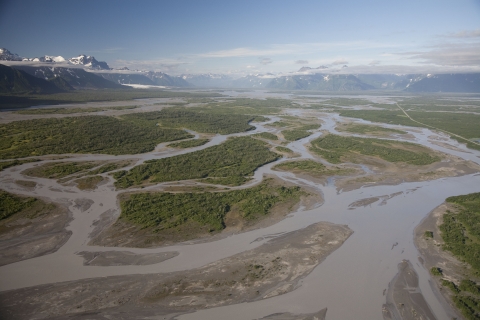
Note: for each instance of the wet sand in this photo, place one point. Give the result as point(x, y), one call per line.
point(404, 298)
point(272, 269)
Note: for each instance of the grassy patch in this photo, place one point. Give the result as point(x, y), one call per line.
point(266, 135)
point(283, 149)
point(294, 135)
point(88, 183)
point(194, 120)
point(87, 134)
point(11, 204)
point(234, 159)
point(110, 167)
point(57, 170)
point(26, 183)
point(365, 129)
point(428, 234)
point(310, 167)
point(333, 148)
point(78, 96)
point(70, 110)
point(13, 163)
point(281, 124)
point(189, 143)
point(463, 124)
point(164, 211)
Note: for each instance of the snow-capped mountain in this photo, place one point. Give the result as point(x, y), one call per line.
point(46, 59)
point(310, 69)
point(6, 55)
point(89, 62)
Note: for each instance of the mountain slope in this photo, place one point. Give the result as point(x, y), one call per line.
point(121, 78)
point(18, 81)
point(321, 82)
point(75, 77)
point(468, 82)
point(89, 62)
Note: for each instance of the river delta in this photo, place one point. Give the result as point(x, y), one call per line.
point(347, 249)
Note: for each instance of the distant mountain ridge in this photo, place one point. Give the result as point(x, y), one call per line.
point(306, 78)
point(18, 81)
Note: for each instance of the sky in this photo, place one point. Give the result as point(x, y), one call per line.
point(248, 37)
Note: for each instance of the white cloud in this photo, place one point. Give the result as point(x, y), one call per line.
point(465, 34)
point(448, 55)
point(301, 62)
point(339, 61)
point(374, 62)
point(265, 61)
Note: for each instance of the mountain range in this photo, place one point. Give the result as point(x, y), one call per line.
point(85, 72)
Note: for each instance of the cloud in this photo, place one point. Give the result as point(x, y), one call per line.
point(465, 34)
point(164, 65)
point(295, 48)
point(448, 55)
point(374, 62)
point(340, 61)
point(265, 61)
point(301, 62)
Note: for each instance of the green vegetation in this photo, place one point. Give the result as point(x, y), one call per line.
point(333, 148)
point(87, 134)
point(246, 106)
point(470, 286)
point(21, 101)
point(266, 135)
point(283, 149)
point(11, 204)
point(13, 163)
point(26, 183)
point(294, 135)
point(452, 286)
point(163, 211)
point(463, 124)
point(280, 124)
point(57, 170)
point(194, 120)
point(363, 129)
point(428, 235)
point(436, 271)
point(309, 127)
point(461, 234)
point(189, 143)
point(232, 160)
point(110, 167)
point(461, 231)
point(88, 183)
point(70, 110)
point(311, 167)
point(469, 306)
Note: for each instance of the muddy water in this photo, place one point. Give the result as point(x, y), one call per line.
point(350, 282)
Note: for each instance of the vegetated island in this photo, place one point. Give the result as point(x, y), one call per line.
point(158, 218)
point(30, 227)
point(449, 242)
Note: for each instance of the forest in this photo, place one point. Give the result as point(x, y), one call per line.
point(232, 160)
point(333, 147)
point(461, 233)
point(85, 134)
point(163, 211)
point(189, 143)
point(177, 117)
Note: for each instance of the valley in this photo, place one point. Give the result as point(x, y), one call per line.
point(199, 204)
